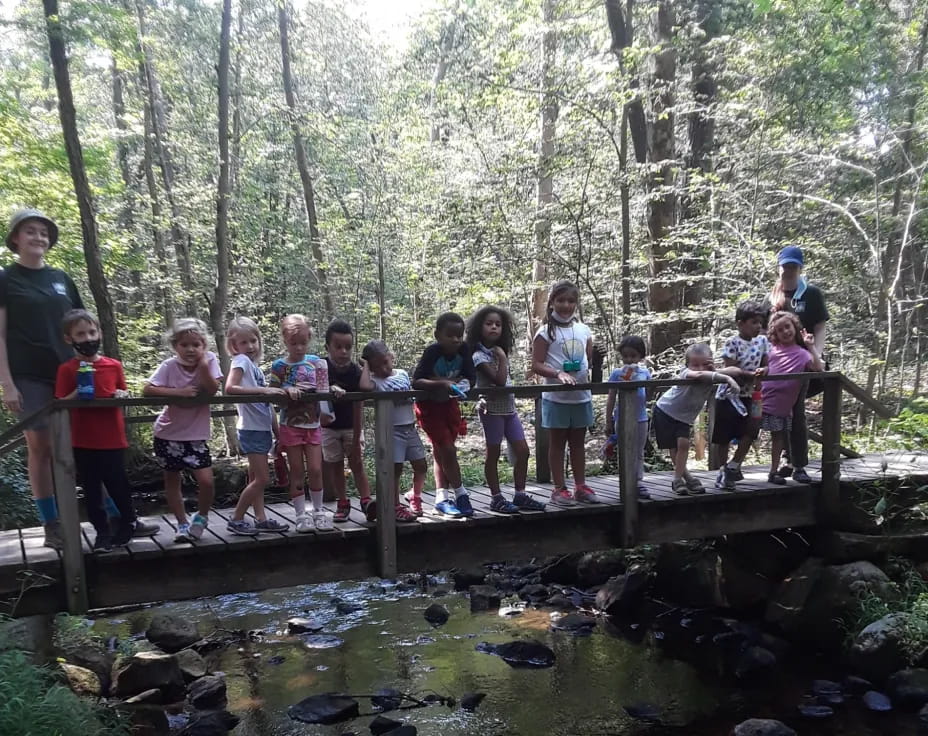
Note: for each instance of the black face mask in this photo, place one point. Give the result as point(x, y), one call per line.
point(88, 348)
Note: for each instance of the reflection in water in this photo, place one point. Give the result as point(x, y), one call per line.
point(388, 644)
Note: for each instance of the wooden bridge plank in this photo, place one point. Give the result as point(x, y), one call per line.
point(11, 549)
point(33, 548)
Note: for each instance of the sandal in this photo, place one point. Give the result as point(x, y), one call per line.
point(342, 512)
point(403, 514)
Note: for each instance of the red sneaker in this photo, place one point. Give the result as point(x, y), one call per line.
point(414, 501)
point(403, 514)
point(342, 512)
point(585, 494)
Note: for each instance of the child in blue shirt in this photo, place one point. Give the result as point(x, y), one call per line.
point(633, 351)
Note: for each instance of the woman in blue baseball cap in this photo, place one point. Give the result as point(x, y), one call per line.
point(792, 293)
point(33, 299)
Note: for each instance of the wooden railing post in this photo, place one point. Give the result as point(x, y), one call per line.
point(831, 448)
point(542, 469)
point(386, 502)
point(63, 473)
point(628, 472)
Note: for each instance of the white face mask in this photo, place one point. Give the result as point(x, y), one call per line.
point(564, 319)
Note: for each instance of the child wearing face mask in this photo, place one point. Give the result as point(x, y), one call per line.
point(98, 434)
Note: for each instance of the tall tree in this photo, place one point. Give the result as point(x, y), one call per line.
point(309, 195)
point(217, 308)
point(90, 236)
point(445, 45)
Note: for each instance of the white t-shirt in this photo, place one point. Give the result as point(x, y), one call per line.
point(254, 417)
point(569, 344)
point(402, 408)
point(748, 355)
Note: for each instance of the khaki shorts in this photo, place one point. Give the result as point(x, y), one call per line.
point(337, 444)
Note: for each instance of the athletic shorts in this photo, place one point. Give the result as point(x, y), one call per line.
point(35, 394)
point(407, 445)
point(255, 441)
point(729, 424)
point(555, 415)
point(337, 444)
point(776, 424)
point(498, 426)
point(174, 456)
point(668, 430)
point(296, 436)
point(441, 421)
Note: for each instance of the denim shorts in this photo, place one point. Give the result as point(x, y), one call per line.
point(255, 441)
point(555, 415)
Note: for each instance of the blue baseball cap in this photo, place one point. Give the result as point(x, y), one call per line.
point(790, 254)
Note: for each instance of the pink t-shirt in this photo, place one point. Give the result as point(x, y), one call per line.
point(780, 396)
point(182, 423)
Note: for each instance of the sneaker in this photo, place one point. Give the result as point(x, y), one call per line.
point(198, 526)
point(183, 533)
point(730, 477)
point(415, 503)
point(304, 524)
point(448, 508)
point(369, 507)
point(694, 486)
point(643, 492)
point(801, 476)
point(734, 473)
point(463, 504)
point(144, 529)
point(584, 494)
point(342, 512)
point(678, 486)
point(404, 515)
point(323, 521)
point(524, 502)
point(53, 538)
point(271, 525)
point(241, 528)
point(776, 479)
point(103, 543)
point(562, 497)
point(786, 471)
point(501, 505)
point(122, 534)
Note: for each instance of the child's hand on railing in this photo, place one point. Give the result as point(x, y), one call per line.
point(187, 391)
point(120, 393)
point(565, 378)
point(337, 391)
point(761, 372)
point(293, 393)
point(735, 386)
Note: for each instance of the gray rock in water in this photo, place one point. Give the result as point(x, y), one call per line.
point(172, 633)
point(299, 625)
point(149, 671)
point(484, 598)
point(526, 653)
point(816, 711)
point(82, 680)
point(214, 723)
point(436, 614)
point(345, 608)
point(463, 579)
point(470, 701)
point(574, 623)
point(324, 709)
point(825, 687)
point(755, 662)
point(595, 568)
point(879, 649)
point(908, 688)
point(623, 593)
point(534, 592)
point(762, 727)
point(877, 701)
point(207, 693)
point(382, 724)
point(562, 570)
point(387, 699)
point(855, 685)
point(405, 730)
point(321, 641)
point(647, 712)
point(561, 602)
point(192, 665)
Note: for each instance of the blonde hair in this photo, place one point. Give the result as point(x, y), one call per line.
point(775, 321)
point(186, 325)
point(294, 324)
point(239, 325)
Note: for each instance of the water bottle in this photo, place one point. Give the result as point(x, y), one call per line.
point(757, 403)
point(85, 388)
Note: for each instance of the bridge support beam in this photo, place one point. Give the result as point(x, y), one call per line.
point(830, 500)
point(385, 474)
point(628, 455)
point(65, 478)
point(542, 469)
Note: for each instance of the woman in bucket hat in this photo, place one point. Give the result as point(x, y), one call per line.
point(33, 299)
point(792, 293)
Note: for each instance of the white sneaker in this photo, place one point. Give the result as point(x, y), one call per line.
point(304, 524)
point(323, 521)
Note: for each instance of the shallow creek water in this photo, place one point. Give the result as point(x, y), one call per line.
point(387, 643)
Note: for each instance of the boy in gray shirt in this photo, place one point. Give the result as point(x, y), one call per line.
point(677, 409)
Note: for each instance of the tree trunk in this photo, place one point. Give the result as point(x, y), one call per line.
point(441, 69)
point(309, 196)
point(154, 198)
point(235, 163)
point(663, 295)
point(166, 161)
point(545, 185)
point(95, 275)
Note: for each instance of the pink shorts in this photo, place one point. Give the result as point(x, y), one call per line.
point(295, 436)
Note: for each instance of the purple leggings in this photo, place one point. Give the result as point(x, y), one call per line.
point(497, 426)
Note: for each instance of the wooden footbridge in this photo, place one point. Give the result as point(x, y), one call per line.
point(38, 579)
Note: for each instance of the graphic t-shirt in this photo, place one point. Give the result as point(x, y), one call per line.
point(747, 355)
point(402, 408)
point(95, 428)
point(684, 403)
point(252, 417)
point(504, 404)
point(435, 364)
point(632, 373)
point(568, 345)
point(349, 379)
point(309, 374)
point(35, 300)
point(183, 423)
point(780, 396)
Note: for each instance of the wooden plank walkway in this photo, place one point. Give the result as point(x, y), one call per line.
point(157, 568)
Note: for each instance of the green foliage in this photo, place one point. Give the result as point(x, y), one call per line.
point(909, 429)
point(16, 506)
point(32, 702)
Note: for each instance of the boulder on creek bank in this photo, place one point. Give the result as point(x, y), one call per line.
point(172, 633)
point(149, 671)
point(436, 614)
point(213, 723)
point(484, 598)
point(908, 688)
point(762, 727)
point(325, 709)
point(463, 579)
point(192, 665)
point(879, 649)
point(81, 680)
point(809, 602)
point(208, 693)
point(623, 594)
point(94, 657)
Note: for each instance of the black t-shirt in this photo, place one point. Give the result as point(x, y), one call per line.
point(435, 364)
point(810, 308)
point(349, 379)
point(35, 300)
